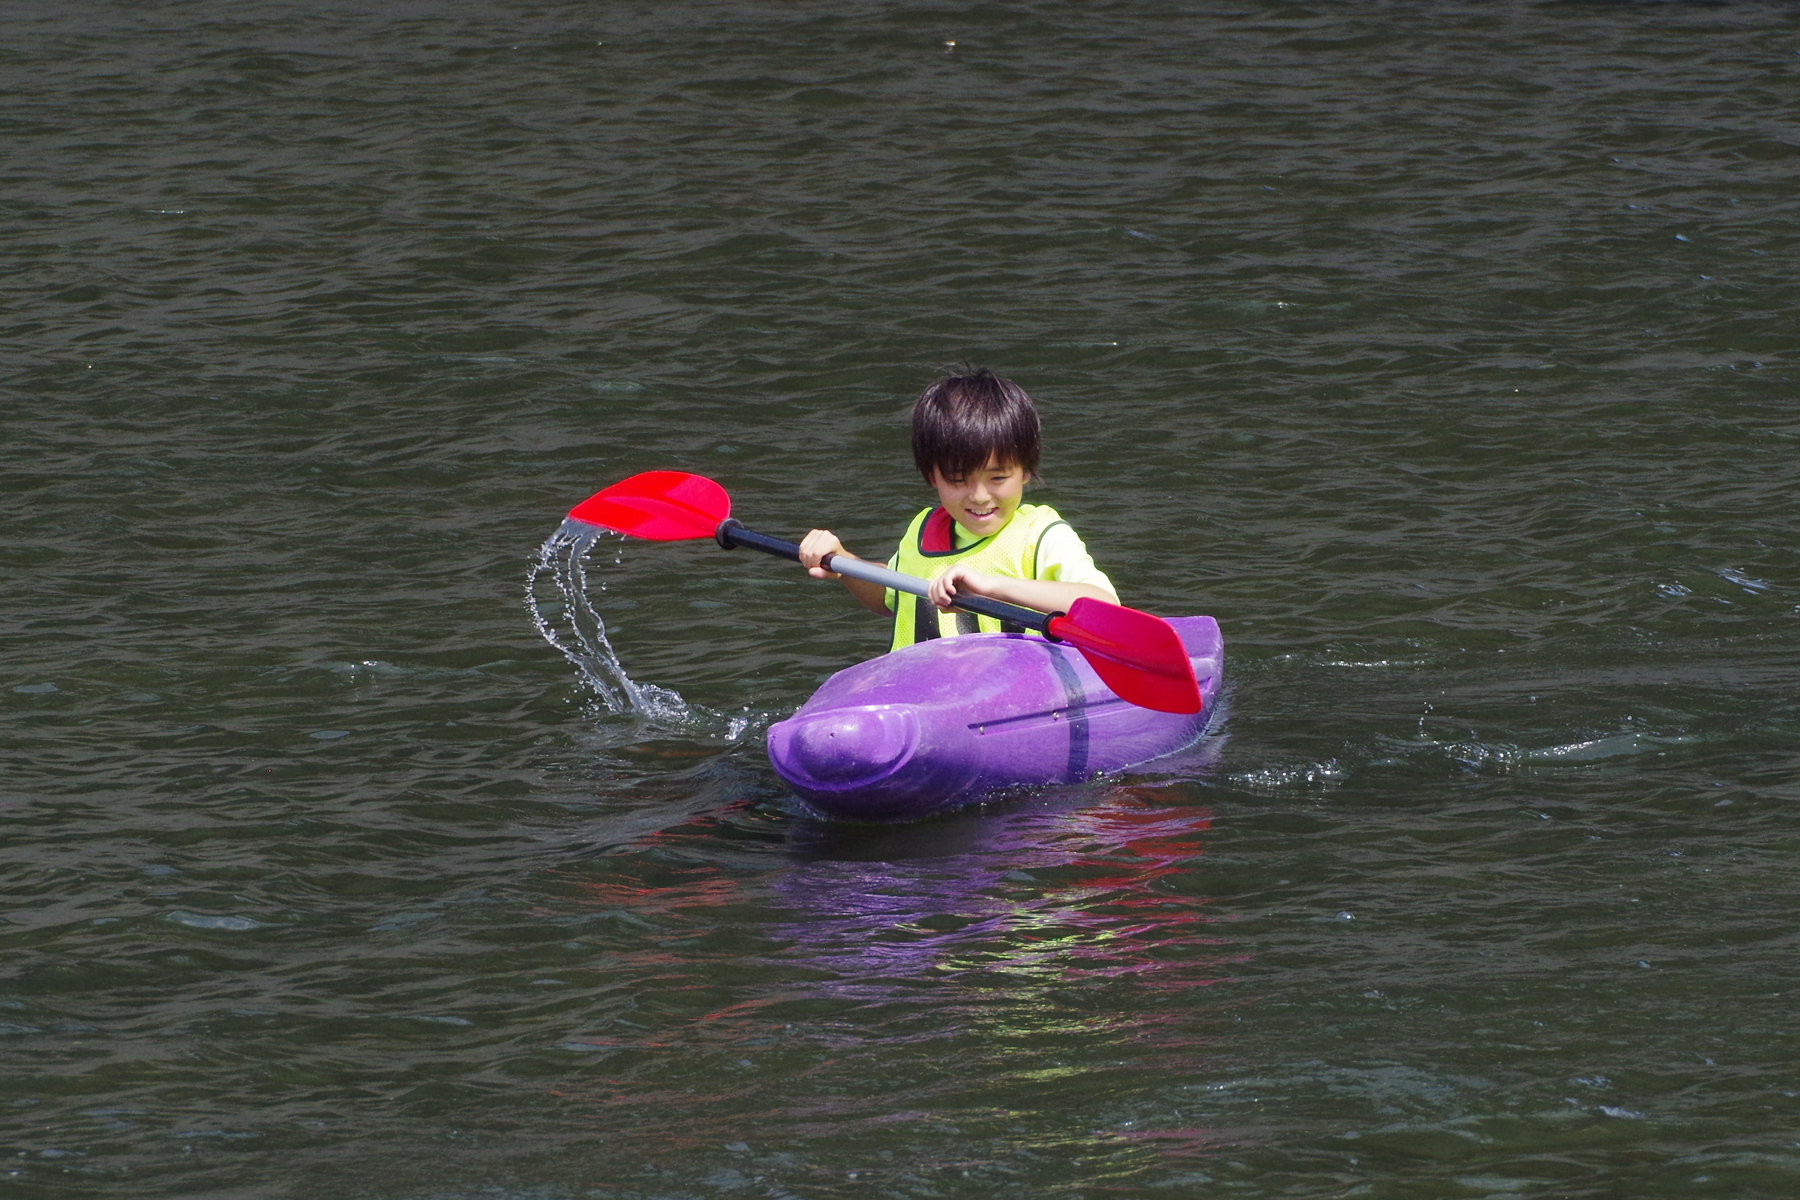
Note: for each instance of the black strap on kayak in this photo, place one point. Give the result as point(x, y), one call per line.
point(1075, 713)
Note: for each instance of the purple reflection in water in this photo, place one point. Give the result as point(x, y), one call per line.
point(1078, 885)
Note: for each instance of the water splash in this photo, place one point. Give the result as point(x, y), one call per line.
point(556, 596)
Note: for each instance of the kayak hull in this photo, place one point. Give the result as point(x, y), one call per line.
point(942, 722)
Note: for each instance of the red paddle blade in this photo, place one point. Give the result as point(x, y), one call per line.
point(659, 506)
point(1138, 656)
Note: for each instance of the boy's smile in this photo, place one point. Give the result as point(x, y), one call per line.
point(982, 501)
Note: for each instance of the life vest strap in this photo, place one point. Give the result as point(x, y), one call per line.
point(925, 623)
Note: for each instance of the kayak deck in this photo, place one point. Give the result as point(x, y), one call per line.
point(942, 722)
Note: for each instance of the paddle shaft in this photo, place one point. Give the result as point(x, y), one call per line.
point(731, 533)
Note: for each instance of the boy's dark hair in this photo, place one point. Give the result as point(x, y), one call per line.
point(961, 421)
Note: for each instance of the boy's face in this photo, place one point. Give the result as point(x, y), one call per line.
point(983, 501)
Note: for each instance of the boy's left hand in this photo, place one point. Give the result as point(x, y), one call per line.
point(957, 580)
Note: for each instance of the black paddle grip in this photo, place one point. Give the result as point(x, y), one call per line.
point(731, 534)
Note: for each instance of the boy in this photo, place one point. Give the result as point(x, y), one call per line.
point(976, 440)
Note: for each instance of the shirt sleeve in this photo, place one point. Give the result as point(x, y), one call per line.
point(1063, 557)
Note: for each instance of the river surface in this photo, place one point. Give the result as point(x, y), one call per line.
point(1445, 352)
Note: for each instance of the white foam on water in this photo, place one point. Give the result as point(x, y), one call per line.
point(1473, 754)
point(1592, 749)
point(204, 921)
point(1748, 583)
point(1280, 776)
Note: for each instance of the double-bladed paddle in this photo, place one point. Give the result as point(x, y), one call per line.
point(1138, 656)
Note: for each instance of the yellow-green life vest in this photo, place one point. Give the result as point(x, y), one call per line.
point(929, 549)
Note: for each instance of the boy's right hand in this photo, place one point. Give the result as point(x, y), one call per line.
point(815, 547)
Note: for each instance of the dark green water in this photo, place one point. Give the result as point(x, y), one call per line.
point(1444, 352)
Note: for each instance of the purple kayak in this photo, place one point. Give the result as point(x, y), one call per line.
point(939, 723)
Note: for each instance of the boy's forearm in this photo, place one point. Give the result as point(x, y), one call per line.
point(871, 596)
point(822, 545)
